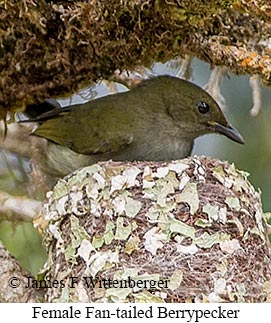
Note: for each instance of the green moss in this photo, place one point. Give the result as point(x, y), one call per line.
point(52, 49)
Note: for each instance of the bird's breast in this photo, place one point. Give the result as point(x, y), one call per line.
point(61, 160)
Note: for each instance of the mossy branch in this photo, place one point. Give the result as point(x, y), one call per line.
point(51, 49)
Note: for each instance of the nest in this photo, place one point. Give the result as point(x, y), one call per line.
point(182, 231)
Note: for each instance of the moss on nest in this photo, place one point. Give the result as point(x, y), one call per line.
point(196, 223)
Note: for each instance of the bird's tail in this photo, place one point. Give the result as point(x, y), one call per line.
point(34, 112)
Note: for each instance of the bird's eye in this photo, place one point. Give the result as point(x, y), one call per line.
point(203, 107)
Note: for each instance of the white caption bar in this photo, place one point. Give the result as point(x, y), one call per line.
point(104, 312)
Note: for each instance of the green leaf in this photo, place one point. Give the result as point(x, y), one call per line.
point(212, 211)
point(147, 297)
point(184, 229)
point(190, 196)
point(203, 223)
point(218, 173)
point(78, 234)
point(97, 241)
point(132, 207)
point(117, 295)
point(132, 244)
point(122, 232)
point(207, 240)
point(109, 234)
point(175, 279)
point(233, 202)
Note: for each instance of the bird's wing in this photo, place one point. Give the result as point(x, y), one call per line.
point(94, 133)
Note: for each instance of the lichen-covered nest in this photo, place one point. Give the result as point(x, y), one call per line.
point(194, 225)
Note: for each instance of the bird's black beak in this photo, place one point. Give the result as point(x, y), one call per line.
point(227, 131)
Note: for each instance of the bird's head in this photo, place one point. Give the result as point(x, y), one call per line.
point(197, 112)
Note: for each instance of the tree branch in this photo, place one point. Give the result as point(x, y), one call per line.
point(18, 208)
point(50, 50)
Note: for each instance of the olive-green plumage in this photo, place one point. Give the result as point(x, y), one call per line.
point(157, 120)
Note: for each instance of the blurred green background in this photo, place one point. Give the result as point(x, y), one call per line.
point(254, 157)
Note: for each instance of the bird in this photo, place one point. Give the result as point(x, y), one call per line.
point(157, 120)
